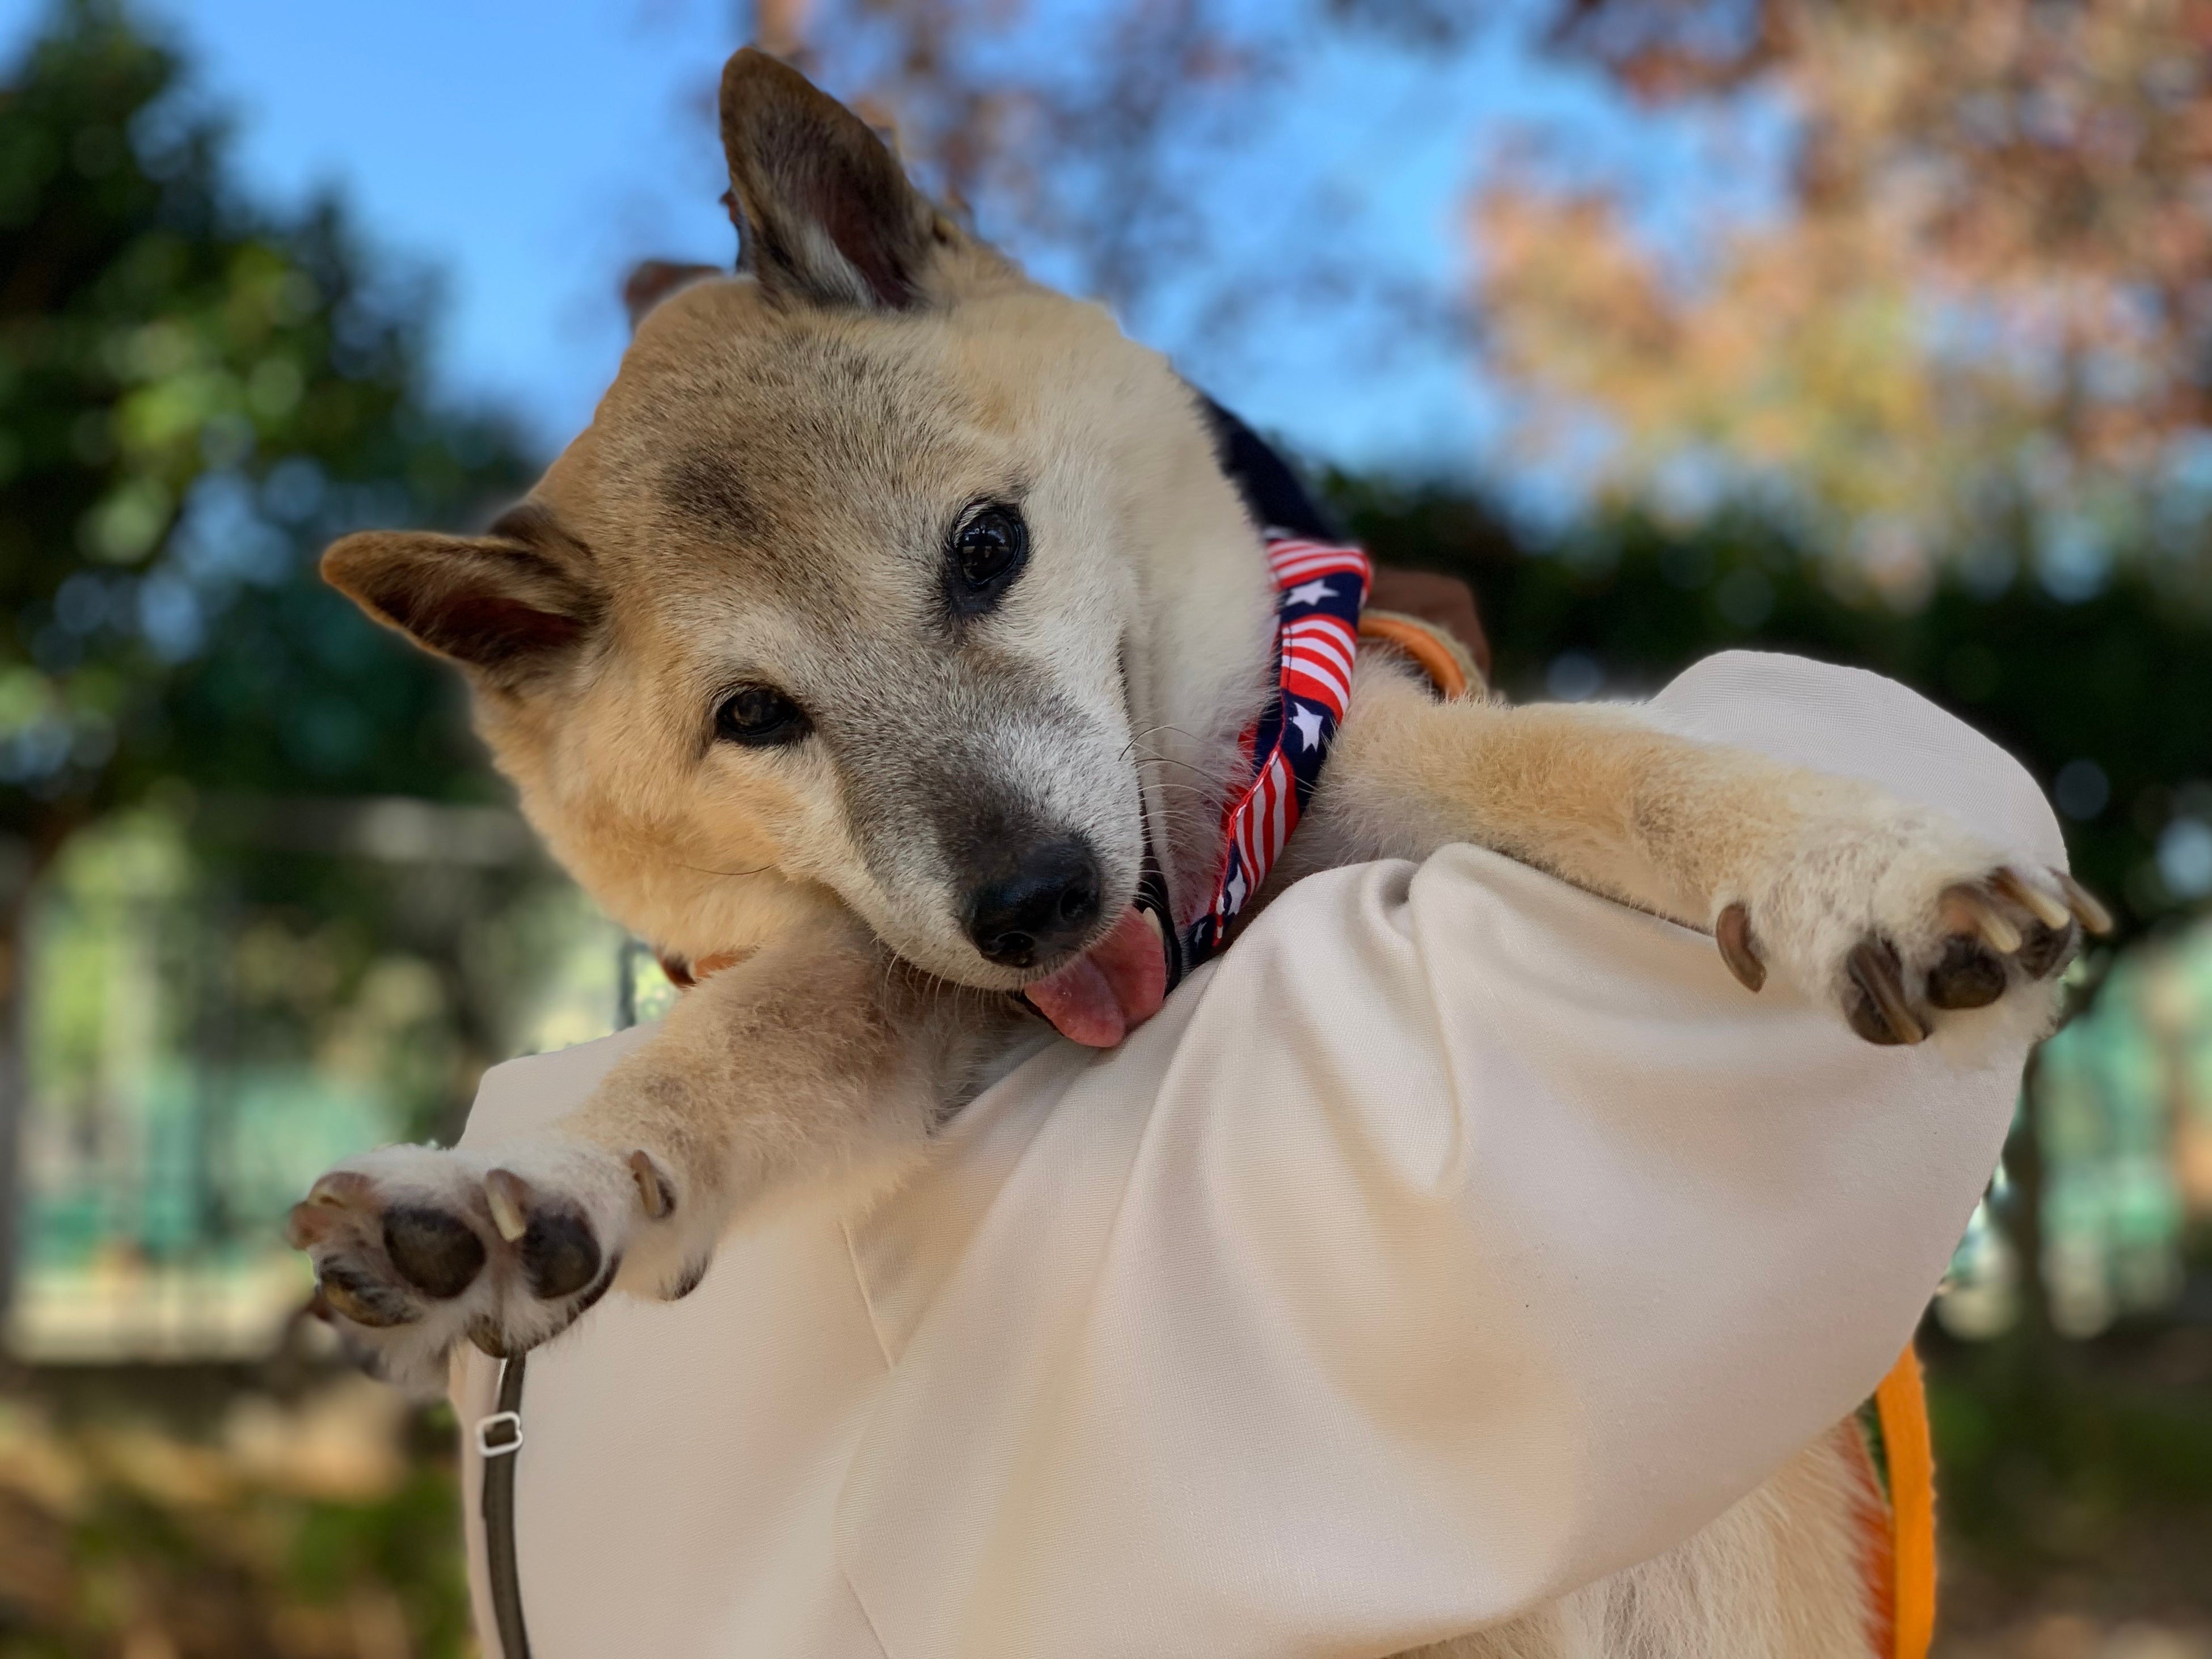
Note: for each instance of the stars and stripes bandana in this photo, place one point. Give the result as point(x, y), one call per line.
point(1320, 588)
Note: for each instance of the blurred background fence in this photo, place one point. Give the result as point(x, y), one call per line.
point(219, 1007)
point(1873, 329)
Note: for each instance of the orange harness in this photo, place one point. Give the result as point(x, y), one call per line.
point(1900, 1532)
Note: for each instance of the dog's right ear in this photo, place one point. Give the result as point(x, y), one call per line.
point(509, 606)
point(827, 215)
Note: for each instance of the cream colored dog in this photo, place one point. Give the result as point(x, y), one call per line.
point(892, 611)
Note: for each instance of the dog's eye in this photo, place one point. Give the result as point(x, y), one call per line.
point(988, 551)
point(760, 716)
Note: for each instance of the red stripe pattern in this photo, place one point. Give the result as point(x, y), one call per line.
point(1320, 589)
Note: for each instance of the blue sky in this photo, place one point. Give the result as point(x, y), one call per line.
point(530, 152)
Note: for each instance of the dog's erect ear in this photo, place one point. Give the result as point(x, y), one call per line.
point(509, 605)
point(827, 213)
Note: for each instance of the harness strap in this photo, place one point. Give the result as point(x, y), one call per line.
point(1900, 1406)
point(1436, 655)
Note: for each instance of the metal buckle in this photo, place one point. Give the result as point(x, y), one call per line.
point(505, 1447)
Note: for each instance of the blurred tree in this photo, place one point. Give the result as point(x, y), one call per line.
point(195, 393)
point(1976, 308)
point(1984, 294)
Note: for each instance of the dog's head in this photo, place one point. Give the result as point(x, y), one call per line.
point(881, 573)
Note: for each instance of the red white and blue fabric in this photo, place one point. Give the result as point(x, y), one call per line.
point(1321, 589)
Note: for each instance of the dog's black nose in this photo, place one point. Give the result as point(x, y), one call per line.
point(1040, 903)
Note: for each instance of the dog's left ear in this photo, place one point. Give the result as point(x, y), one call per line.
point(829, 215)
point(510, 606)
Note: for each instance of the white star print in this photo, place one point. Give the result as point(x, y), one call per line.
point(1237, 892)
point(1308, 720)
point(1312, 593)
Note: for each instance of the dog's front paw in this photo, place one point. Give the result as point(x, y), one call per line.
point(1895, 915)
point(417, 1249)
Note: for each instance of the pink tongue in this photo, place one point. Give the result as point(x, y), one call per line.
point(1119, 983)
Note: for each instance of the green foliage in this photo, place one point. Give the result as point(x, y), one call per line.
point(198, 392)
point(2121, 677)
point(2093, 1462)
point(125, 1530)
point(195, 394)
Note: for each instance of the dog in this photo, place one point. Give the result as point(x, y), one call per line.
point(896, 619)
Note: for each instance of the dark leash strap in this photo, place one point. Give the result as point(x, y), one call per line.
point(499, 1442)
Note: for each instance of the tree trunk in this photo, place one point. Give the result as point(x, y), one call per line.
point(16, 873)
point(2023, 1214)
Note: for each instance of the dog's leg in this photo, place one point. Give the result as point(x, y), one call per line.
point(820, 1060)
point(1887, 911)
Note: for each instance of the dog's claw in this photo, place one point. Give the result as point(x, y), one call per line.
point(341, 1189)
point(307, 1224)
point(504, 1193)
point(2085, 904)
point(653, 1191)
point(326, 1208)
point(1732, 932)
point(2032, 898)
point(1882, 1015)
point(322, 1212)
point(1969, 911)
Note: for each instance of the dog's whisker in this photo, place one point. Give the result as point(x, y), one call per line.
point(1166, 760)
point(1166, 725)
point(1147, 758)
point(727, 875)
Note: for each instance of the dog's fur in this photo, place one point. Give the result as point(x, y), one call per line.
point(765, 498)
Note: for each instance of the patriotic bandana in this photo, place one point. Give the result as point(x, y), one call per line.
point(1320, 591)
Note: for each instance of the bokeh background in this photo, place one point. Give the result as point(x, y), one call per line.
point(1876, 329)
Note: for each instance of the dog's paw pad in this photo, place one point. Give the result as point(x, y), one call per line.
point(437, 1253)
point(1968, 974)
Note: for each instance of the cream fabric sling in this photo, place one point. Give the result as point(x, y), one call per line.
point(1454, 1240)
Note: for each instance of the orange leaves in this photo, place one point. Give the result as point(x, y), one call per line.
point(2000, 229)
